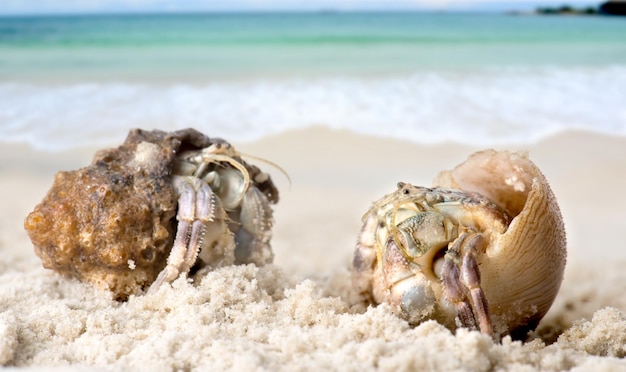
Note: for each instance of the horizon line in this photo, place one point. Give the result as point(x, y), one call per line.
point(263, 11)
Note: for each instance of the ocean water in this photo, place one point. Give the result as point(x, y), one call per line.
point(482, 79)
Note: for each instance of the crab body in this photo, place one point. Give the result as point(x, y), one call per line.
point(222, 217)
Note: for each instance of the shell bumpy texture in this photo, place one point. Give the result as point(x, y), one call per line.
point(113, 222)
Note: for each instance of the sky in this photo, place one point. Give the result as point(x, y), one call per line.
point(8, 7)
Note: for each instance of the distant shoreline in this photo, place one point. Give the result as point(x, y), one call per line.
point(608, 8)
point(567, 10)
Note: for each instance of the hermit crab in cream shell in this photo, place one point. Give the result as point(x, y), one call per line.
point(483, 249)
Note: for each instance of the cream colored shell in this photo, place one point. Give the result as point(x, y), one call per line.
point(523, 268)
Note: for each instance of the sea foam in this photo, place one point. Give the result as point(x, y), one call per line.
point(489, 107)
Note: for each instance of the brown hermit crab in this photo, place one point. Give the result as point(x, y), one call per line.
point(483, 249)
point(151, 209)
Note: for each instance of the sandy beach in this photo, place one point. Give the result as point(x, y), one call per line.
point(300, 312)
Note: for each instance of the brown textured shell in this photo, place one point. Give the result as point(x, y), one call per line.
point(112, 223)
point(522, 272)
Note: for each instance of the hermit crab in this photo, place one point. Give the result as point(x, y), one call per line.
point(155, 207)
point(484, 249)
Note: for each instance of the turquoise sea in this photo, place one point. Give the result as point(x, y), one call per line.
point(485, 79)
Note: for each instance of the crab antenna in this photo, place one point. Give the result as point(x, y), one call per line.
point(284, 172)
point(239, 166)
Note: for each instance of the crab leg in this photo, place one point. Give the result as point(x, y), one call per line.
point(195, 209)
point(254, 234)
point(470, 275)
point(452, 286)
point(205, 205)
point(472, 313)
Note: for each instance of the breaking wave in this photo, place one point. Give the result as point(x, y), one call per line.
point(486, 107)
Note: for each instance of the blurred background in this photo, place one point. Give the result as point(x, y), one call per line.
point(483, 73)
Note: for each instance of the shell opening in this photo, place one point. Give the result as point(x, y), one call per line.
point(504, 177)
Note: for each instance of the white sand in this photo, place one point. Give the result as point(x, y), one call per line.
point(299, 313)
